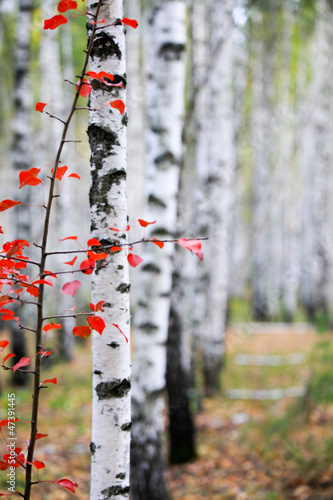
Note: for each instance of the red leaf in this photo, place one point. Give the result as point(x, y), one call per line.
point(71, 287)
point(130, 22)
point(40, 436)
point(134, 260)
point(93, 242)
point(114, 229)
point(5, 422)
point(192, 245)
point(118, 104)
point(114, 324)
point(69, 238)
point(9, 356)
point(87, 266)
point(158, 243)
point(52, 326)
point(82, 331)
point(65, 5)
point(144, 223)
point(86, 87)
point(50, 381)
point(74, 175)
point(97, 256)
point(49, 273)
point(54, 22)
point(115, 249)
point(9, 317)
point(67, 483)
point(71, 262)
point(29, 177)
point(60, 172)
point(101, 75)
point(1, 231)
point(38, 464)
point(3, 466)
point(98, 306)
point(96, 323)
point(44, 282)
point(4, 343)
point(5, 204)
point(45, 353)
point(22, 362)
point(40, 106)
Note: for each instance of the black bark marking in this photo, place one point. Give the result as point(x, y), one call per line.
point(114, 345)
point(105, 47)
point(92, 448)
point(153, 200)
point(114, 389)
point(151, 268)
point(102, 141)
point(98, 372)
point(148, 327)
point(166, 157)
point(121, 475)
point(127, 426)
point(123, 288)
point(115, 490)
point(172, 51)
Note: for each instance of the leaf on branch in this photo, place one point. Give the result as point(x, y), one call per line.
point(5, 204)
point(158, 242)
point(60, 172)
point(9, 356)
point(40, 106)
point(130, 22)
point(65, 5)
point(40, 436)
point(93, 242)
point(69, 238)
point(193, 245)
point(115, 249)
point(100, 76)
point(38, 464)
point(52, 326)
point(96, 256)
point(73, 175)
point(82, 331)
point(21, 363)
point(71, 262)
point(134, 260)
point(98, 306)
point(42, 282)
point(118, 104)
point(86, 87)
point(5, 422)
point(54, 22)
point(50, 381)
point(144, 223)
point(71, 287)
point(87, 266)
point(4, 343)
point(67, 483)
point(114, 324)
point(29, 177)
point(96, 323)
point(1, 231)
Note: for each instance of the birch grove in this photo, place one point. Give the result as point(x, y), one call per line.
point(111, 419)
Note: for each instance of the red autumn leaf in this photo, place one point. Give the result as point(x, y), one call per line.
point(87, 266)
point(52, 326)
point(5, 422)
point(100, 76)
point(9, 356)
point(49, 273)
point(115, 249)
point(134, 260)
point(73, 175)
point(29, 177)
point(130, 22)
point(50, 381)
point(32, 290)
point(3, 466)
point(40, 435)
point(38, 464)
point(114, 324)
point(158, 242)
point(40, 106)
point(96, 323)
point(65, 5)
point(93, 242)
point(54, 22)
point(4, 343)
point(144, 223)
point(96, 256)
point(42, 282)
point(192, 245)
point(5, 204)
point(82, 331)
point(67, 483)
point(1, 231)
point(114, 229)
point(98, 306)
point(21, 363)
point(86, 87)
point(60, 172)
point(9, 317)
point(45, 353)
point(118, 104)
point(71, 262)
point(71, 287)
point(69, 238)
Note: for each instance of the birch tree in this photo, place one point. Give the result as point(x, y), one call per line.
point(111, 420)
point(165, 38)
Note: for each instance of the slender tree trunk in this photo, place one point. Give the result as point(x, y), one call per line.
point(111, 420)
point(165, 106)
point(21, 149)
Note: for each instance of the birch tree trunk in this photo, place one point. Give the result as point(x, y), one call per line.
point(21, 149)
point(111, 419)
point(166, 38)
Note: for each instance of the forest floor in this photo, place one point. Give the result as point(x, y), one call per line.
point(247, 449)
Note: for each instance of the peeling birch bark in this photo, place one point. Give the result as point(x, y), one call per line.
point(111, 421)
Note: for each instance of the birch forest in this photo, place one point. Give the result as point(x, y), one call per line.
point(208, 186)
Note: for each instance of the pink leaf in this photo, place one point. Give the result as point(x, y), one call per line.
point(71, 287)
point(22, 362)
point(134, 260)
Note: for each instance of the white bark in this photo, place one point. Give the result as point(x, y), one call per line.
point(166, 38)
point(111, 354)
